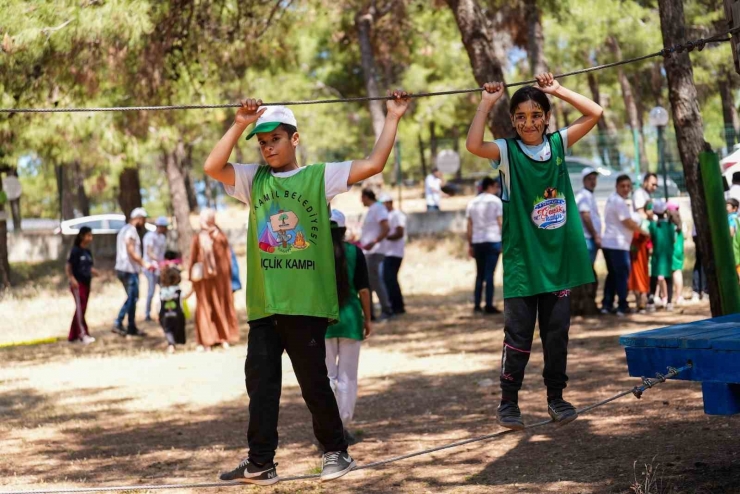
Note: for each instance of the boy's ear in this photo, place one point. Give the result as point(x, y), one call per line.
point(294, 140)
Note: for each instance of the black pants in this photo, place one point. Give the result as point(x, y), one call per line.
point(486, 257)
point(520, 315)
point(699, 278)
point(391, 266)
point(303, 338)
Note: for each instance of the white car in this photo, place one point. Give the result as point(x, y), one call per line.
point(101, 224)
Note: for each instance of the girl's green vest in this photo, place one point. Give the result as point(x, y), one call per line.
point(290, 257)
point(351, 321)
point(543, 246)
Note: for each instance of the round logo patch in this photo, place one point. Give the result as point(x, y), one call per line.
point(549, 214)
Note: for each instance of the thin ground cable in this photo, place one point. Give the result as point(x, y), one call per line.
point(665, 52)
point(637, 391)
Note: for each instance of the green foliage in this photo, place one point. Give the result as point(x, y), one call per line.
point(136, 52)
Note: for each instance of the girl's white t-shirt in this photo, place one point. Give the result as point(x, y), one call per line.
point(540, 152)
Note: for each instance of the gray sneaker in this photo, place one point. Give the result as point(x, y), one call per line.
point(509, 416)
point(249, 473)
point(336, 464)
point(561, 411)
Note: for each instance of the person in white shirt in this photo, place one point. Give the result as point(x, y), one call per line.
point(155, 243)
point(644, 194)
point(374, 230)
point(393, 248)
point(734, 192)
point(620, 224)
point(433, 189)
point(485, 218)
point(128, 264)
point(589, 210)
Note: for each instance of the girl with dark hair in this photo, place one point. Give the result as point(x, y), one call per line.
point(79, 270)
point(343, 340)
point(544, 252)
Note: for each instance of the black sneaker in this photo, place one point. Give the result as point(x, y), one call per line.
point(336, 464)
point(561, 411)
point(249, 473)
point(509, 416)
point(119, 330)
point(491, 310)
point(477, 308)
point(135, 332)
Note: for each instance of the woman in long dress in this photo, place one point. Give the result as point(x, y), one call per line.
point(215, 316)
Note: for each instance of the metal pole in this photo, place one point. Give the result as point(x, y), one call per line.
point(661, 157)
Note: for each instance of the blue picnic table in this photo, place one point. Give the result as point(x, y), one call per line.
point(713, 348)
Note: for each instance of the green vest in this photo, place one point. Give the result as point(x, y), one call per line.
point(351, 320)
point(543, 247)
point(290, 255)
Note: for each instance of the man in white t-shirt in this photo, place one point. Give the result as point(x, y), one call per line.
point(374, 230)
point(644, 194)
point(393, 248)
point(589, 210)
point(734, 192)
point(620, 224)
point(433, 189)
point(155, 243)
point(128, 264)
point(485, 216)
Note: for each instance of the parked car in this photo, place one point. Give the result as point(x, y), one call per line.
point(101, 224)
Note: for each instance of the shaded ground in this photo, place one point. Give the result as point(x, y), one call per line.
point(123, 412)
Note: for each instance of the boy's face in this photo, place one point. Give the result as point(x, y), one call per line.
point(731, 208)
point(277, 148)
point(624, 188)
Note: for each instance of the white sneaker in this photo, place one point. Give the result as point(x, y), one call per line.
point(619, 313)
point(695, 298)
point(87, 339)
point(680, 301)
point(669, 307)
point(170, 349)
point(200, 348)
point(225, 345)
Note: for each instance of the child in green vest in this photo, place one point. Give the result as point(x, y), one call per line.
point(663, 235)
point(291, 287)
point(344, 339)
point(544, 254)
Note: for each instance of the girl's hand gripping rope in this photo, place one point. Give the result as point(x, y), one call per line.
point(547, 83)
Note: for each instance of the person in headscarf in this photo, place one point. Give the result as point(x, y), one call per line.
point(210, 272)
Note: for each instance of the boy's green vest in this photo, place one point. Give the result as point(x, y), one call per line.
point(544, 250)
point(290, 257)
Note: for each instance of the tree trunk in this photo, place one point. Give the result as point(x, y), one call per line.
point(603, 130)
point(64, 189)
point(423, 159)
point(82, 201)
point(633, 118)
point(175, 171)
point(729, 113)
point(4, 263)
point(364, 21)
point(433, 144)
point(689, 128)
point(15, 206)
point(476, 33)
point(208, 192)
point(129, 190)
point(536, 48)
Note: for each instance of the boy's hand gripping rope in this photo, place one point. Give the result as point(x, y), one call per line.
point(637, 391)
point(665, 52)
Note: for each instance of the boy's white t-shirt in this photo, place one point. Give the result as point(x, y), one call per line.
point(395, 248)
point(371, 227)
point(616, 235)
point(335, 180)
point(540, 152)
point(123, 260)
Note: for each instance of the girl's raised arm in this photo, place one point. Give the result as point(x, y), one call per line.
point(475, 144)
point(590, 110)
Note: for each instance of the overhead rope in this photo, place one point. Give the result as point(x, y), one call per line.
point(689, 46)
point(637, 391)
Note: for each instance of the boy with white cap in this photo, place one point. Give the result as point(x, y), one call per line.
point(291, 285)
point(155, 243)
point(128, 264)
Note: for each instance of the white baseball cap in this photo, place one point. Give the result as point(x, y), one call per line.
point(385, 197)
point(272, 118)
point(659, 206)
point(162, 221)
point(588, 171)
point(338, 217)
point(138, 213)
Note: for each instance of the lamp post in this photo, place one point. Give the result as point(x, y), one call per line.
point(659, 119)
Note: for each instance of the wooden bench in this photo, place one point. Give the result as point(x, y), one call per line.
point(713, 348)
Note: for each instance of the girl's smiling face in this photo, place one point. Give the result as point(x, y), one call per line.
point(530, 121)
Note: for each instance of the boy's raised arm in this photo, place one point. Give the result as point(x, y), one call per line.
point(374, 164)
point(217, 164)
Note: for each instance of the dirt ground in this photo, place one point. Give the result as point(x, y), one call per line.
point(124, 412)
